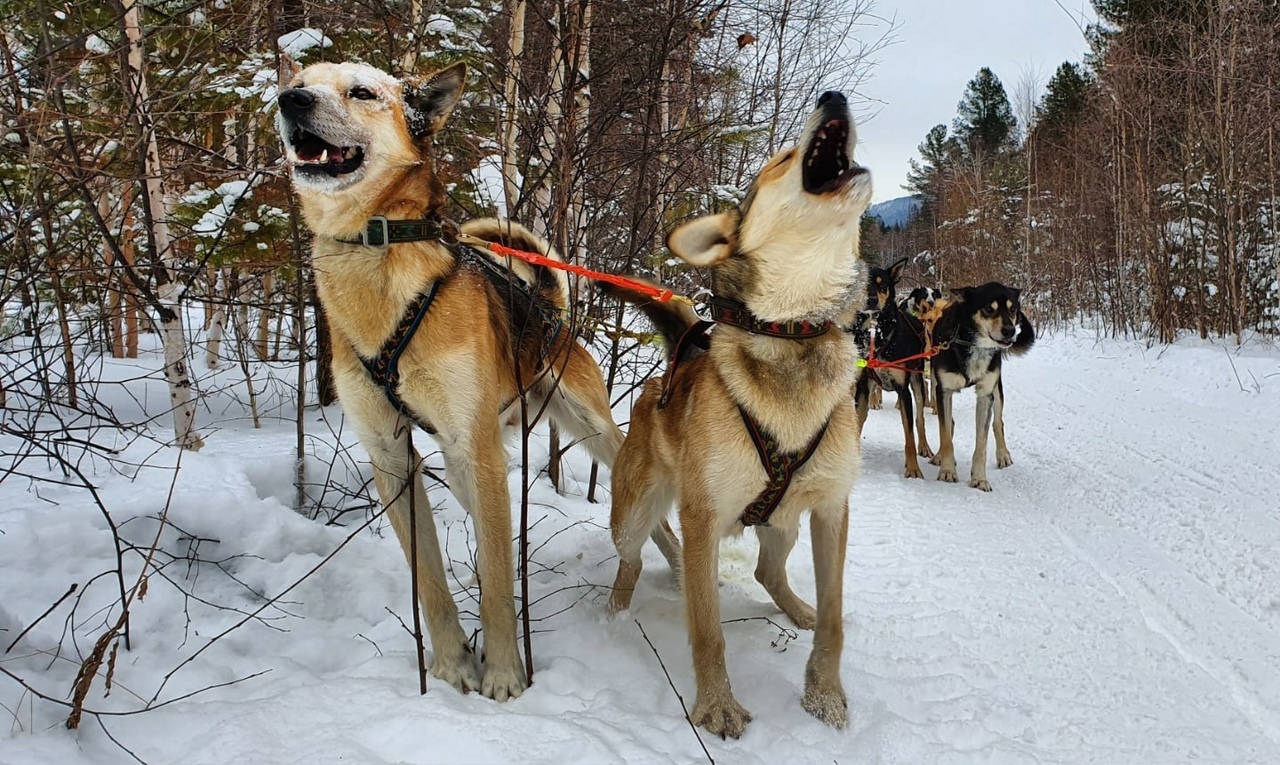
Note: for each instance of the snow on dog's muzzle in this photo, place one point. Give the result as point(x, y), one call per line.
point(308, 152)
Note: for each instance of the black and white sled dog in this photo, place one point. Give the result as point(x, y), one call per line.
point(920, 301)
point(977, 329)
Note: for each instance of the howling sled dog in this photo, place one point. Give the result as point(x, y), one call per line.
point(431, 333)
point(760, 427)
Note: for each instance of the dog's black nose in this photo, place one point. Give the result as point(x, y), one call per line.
point(296, 102)
point(833, 97)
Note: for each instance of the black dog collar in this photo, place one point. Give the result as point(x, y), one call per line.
point(380, 231)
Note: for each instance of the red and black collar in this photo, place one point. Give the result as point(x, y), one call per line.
point(734, 313)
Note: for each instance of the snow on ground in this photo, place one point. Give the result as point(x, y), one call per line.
point(1116, 599)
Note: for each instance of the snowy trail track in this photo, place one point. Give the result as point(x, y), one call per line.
point(1117, 590)
point(1115, 599)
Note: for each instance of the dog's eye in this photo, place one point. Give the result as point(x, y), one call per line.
point(988, 311)
point(362, 93)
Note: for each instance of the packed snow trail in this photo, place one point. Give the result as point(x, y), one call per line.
point(1115, 599)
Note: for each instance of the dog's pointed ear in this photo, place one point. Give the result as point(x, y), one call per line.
point(429, 102)
point(958, 294)
point(895, 270)
point(704, 241)
point(288, 69)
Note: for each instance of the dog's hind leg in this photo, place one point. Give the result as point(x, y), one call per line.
point(641, 502)
point(919, 390)
point(862, 398)
point(771, 572)
point(1003, 458)
point(978, 470)
point(824, 696)
point(580, 405)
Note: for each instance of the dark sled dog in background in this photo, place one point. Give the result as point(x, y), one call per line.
point(898, 335)
point(980, 326)
point(360, 145)
point(770, 395)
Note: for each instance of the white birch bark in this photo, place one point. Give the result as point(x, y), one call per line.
point(218, 322)
point(553, 115)
point(577, 207)
point(176, 371)
point(510, 106)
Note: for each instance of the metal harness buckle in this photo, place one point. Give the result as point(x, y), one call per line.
point(377, 229)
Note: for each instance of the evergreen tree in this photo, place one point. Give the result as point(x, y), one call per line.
point(1065, 100)
point(985, 124)
point(937, 152)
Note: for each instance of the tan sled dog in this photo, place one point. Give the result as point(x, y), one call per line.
point(773, 388)
point(360, 145)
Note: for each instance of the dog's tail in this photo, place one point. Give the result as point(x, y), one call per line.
point(672, 319)
point(1026, 336)
point(552, 283)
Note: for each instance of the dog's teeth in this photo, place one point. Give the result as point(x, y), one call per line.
point(324, 156)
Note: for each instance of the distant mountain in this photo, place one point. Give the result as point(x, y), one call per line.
point(895, 212)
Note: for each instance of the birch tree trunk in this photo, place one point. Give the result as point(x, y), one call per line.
point(511, 109)
point(543, 203)
point(115, 303)
point(132, 304)
point(176, 371)
point(218, 322)
point(262, 345)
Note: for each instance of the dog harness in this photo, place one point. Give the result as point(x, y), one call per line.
point(779, 466)
point(384, 368)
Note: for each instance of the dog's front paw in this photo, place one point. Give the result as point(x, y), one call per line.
point(913, 471)
point(505, 681)
point(619, 601)
point(721, 715)
point(1003, 459)
point(827, 704)
point(947, 474)
point(458, 669)
point(979, 483)
point(924, 451)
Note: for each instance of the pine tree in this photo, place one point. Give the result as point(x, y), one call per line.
point(985, 124)
point(1065, 101)
point(937, 152)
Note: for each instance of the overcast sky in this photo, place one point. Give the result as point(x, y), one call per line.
point(941, 45)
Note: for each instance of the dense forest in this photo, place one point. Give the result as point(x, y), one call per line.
point(141, 176)
point(1139, 192)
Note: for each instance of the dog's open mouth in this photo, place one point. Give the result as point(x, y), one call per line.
point(312, 154)
point(827, 166)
